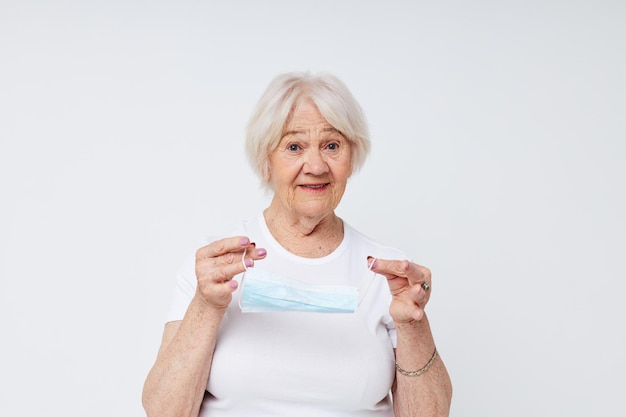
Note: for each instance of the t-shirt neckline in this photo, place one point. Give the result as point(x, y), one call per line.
point(276, 246)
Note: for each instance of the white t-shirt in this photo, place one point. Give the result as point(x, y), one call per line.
point(298, 364)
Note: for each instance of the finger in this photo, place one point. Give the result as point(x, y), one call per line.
point(223, 246)
point(218, 295)
point(251, 255)
point(223, 268)
point(416, 308)
point(392, 270)
point(222, 252)
point(416, 274)
point(419, 296)
point(217, 261)
point(406, 312)
point(389, 268)
point(424, 277)
point(417, 313)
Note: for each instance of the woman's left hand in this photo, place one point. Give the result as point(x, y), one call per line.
point(409, 284)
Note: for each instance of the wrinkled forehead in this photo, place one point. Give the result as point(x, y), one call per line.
point(320, 132)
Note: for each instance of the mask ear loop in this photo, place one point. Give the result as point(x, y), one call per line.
point(243, 262)
point(369, 285)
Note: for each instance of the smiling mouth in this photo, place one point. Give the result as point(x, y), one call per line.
point(315, 186)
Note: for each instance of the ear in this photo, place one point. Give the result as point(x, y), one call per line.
point(265, 173)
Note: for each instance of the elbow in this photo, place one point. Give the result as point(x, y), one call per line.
point(153, 410)
point(157, 405)
point(149, 405)
point(445, 398)
point(153, 407)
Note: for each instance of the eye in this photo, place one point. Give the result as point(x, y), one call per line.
point(333, 148)
point(293, 147)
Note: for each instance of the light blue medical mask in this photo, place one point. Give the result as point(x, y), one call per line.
point(263, 291)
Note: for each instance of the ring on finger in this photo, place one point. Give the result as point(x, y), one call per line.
point(426, 286)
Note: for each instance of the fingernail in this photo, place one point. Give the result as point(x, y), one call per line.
point(233, 284)
point(249, 263)
point(244, 241)
point(261, 252)
point(371, 262)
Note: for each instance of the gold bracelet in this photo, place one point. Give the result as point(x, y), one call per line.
point(419, 371)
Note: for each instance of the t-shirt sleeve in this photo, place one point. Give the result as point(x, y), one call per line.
point(385, 300)
point(184, 290)
point(186, 283)
point(391, 331)
point(383, 304)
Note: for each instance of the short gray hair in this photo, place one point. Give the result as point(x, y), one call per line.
point(332, 98)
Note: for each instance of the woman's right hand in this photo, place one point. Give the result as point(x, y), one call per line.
point(216, 265)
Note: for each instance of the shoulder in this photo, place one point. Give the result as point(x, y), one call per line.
point(361, 242)
point(243, 227)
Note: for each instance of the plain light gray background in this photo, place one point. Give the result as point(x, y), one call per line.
point(498, 158)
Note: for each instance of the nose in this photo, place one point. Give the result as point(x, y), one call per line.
point(314, 162)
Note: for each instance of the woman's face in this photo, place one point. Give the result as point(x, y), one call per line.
point(311, 165)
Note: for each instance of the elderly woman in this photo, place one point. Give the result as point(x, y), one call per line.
point(296, 313)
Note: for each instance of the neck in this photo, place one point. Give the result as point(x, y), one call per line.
point(303, 236)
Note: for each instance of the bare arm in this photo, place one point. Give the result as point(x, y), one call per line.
point(430, 393)
point(176, 384)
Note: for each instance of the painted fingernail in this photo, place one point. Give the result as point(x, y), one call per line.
point(261, 252)
point(372, 262)
point(249, 263)
point(244, 241)
point(233, 284)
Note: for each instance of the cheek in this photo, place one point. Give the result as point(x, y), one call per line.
point(340, 184)
point(285, 169)
point(283, 178)
point(339, 190)
point(343, 171)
